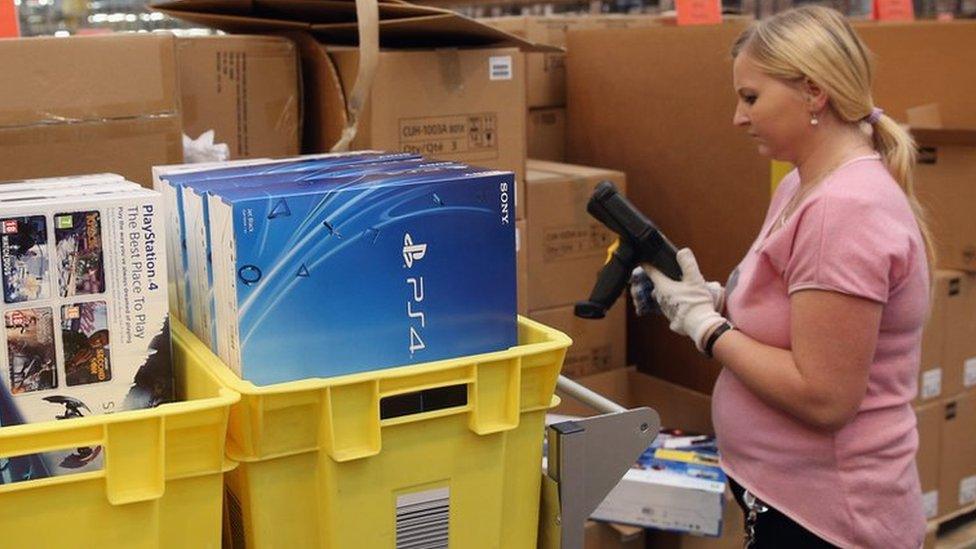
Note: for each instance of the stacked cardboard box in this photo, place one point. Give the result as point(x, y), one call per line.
point(546, 72)
point(564, 250)
point(546, 136)
point(71, 106)
point(244, 88)
point(450, 104)
point(119, 103)
point(946, 403)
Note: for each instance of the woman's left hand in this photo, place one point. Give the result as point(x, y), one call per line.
point(687, 303)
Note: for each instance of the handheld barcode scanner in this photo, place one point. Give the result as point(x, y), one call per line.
point(640, 242)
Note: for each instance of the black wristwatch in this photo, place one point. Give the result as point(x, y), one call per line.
point(717, 333)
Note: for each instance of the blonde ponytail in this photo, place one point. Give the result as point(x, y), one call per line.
point(898, 151)
point(818, 43)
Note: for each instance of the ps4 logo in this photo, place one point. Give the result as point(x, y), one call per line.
point(412, 252)
point(416, 317)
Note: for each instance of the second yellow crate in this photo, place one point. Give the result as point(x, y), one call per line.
point(447, 450)
point(161, 485)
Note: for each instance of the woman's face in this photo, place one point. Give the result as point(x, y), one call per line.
point(773, 112)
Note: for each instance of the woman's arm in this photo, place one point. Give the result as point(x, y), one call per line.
point(822, 381)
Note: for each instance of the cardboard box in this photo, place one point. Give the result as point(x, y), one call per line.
point(547, 134)
point(930, 418)
point(959, 373)
point(81, 105)
point(957, 470)
point(598, 345)
point(931, 537)
point(924, 63)
point(452, 104)
point(454, 88)
point(943, 180)
point(600, 535)
point(245, 88)
point(688, 169)
point(547, 71)
point(567, 246)
point(945, 287)
point(521, 266)
point(678, 406)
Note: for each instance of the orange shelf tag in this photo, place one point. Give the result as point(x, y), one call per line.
point(699, 12)
point(893, 10)
point(9, 26)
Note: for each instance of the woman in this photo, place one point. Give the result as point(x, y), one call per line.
point(812, 408)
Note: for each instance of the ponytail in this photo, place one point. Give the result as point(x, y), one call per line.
point(898, 151)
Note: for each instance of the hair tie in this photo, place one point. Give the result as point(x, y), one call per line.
point(874, 116)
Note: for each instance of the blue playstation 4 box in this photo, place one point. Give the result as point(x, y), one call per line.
point(362, 273)
point(192, 213)
point(196, 213)
point(170, 180)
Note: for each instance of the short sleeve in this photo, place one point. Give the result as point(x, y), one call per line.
point(845, 244)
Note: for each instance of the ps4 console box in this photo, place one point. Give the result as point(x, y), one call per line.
point(84, 313)
point(196, 214)
point(170, 180)
point(384, 271)
point(176, 270)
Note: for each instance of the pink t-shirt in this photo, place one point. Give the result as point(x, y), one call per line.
point(857, 487)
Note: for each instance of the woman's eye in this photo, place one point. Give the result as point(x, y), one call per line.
point(750, 99)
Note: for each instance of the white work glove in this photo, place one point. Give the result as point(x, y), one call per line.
point(641, 289)
point(687, 303)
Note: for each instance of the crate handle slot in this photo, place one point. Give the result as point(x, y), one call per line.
point(427, 400)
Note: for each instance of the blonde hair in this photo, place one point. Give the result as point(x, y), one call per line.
point(817, 43)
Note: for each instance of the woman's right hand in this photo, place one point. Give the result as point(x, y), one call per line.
point(641, 289)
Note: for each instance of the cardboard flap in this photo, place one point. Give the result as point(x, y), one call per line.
point(939, 136)
point(320, 80)
point(337, 11)
point(627, 532)
point(333, 21)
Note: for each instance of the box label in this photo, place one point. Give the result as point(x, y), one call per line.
point(232, 78)
point(554, 62)
point(969, 374)
point(500, 67)
point(930, 503)
point(575, 241)
point(454, 134)
point(967, 490)
point(931, 383)
point(422, 518)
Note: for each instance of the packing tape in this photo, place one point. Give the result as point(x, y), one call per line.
point(367, 20)
point(450, 65)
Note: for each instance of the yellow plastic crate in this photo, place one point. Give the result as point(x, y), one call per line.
point(162, 481)
point(327, 463)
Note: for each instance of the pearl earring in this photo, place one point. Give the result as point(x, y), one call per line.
point(813, 120)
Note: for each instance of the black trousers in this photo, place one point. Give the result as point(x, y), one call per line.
point(776, 530)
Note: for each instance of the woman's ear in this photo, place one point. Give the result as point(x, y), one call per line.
point(815, 95)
